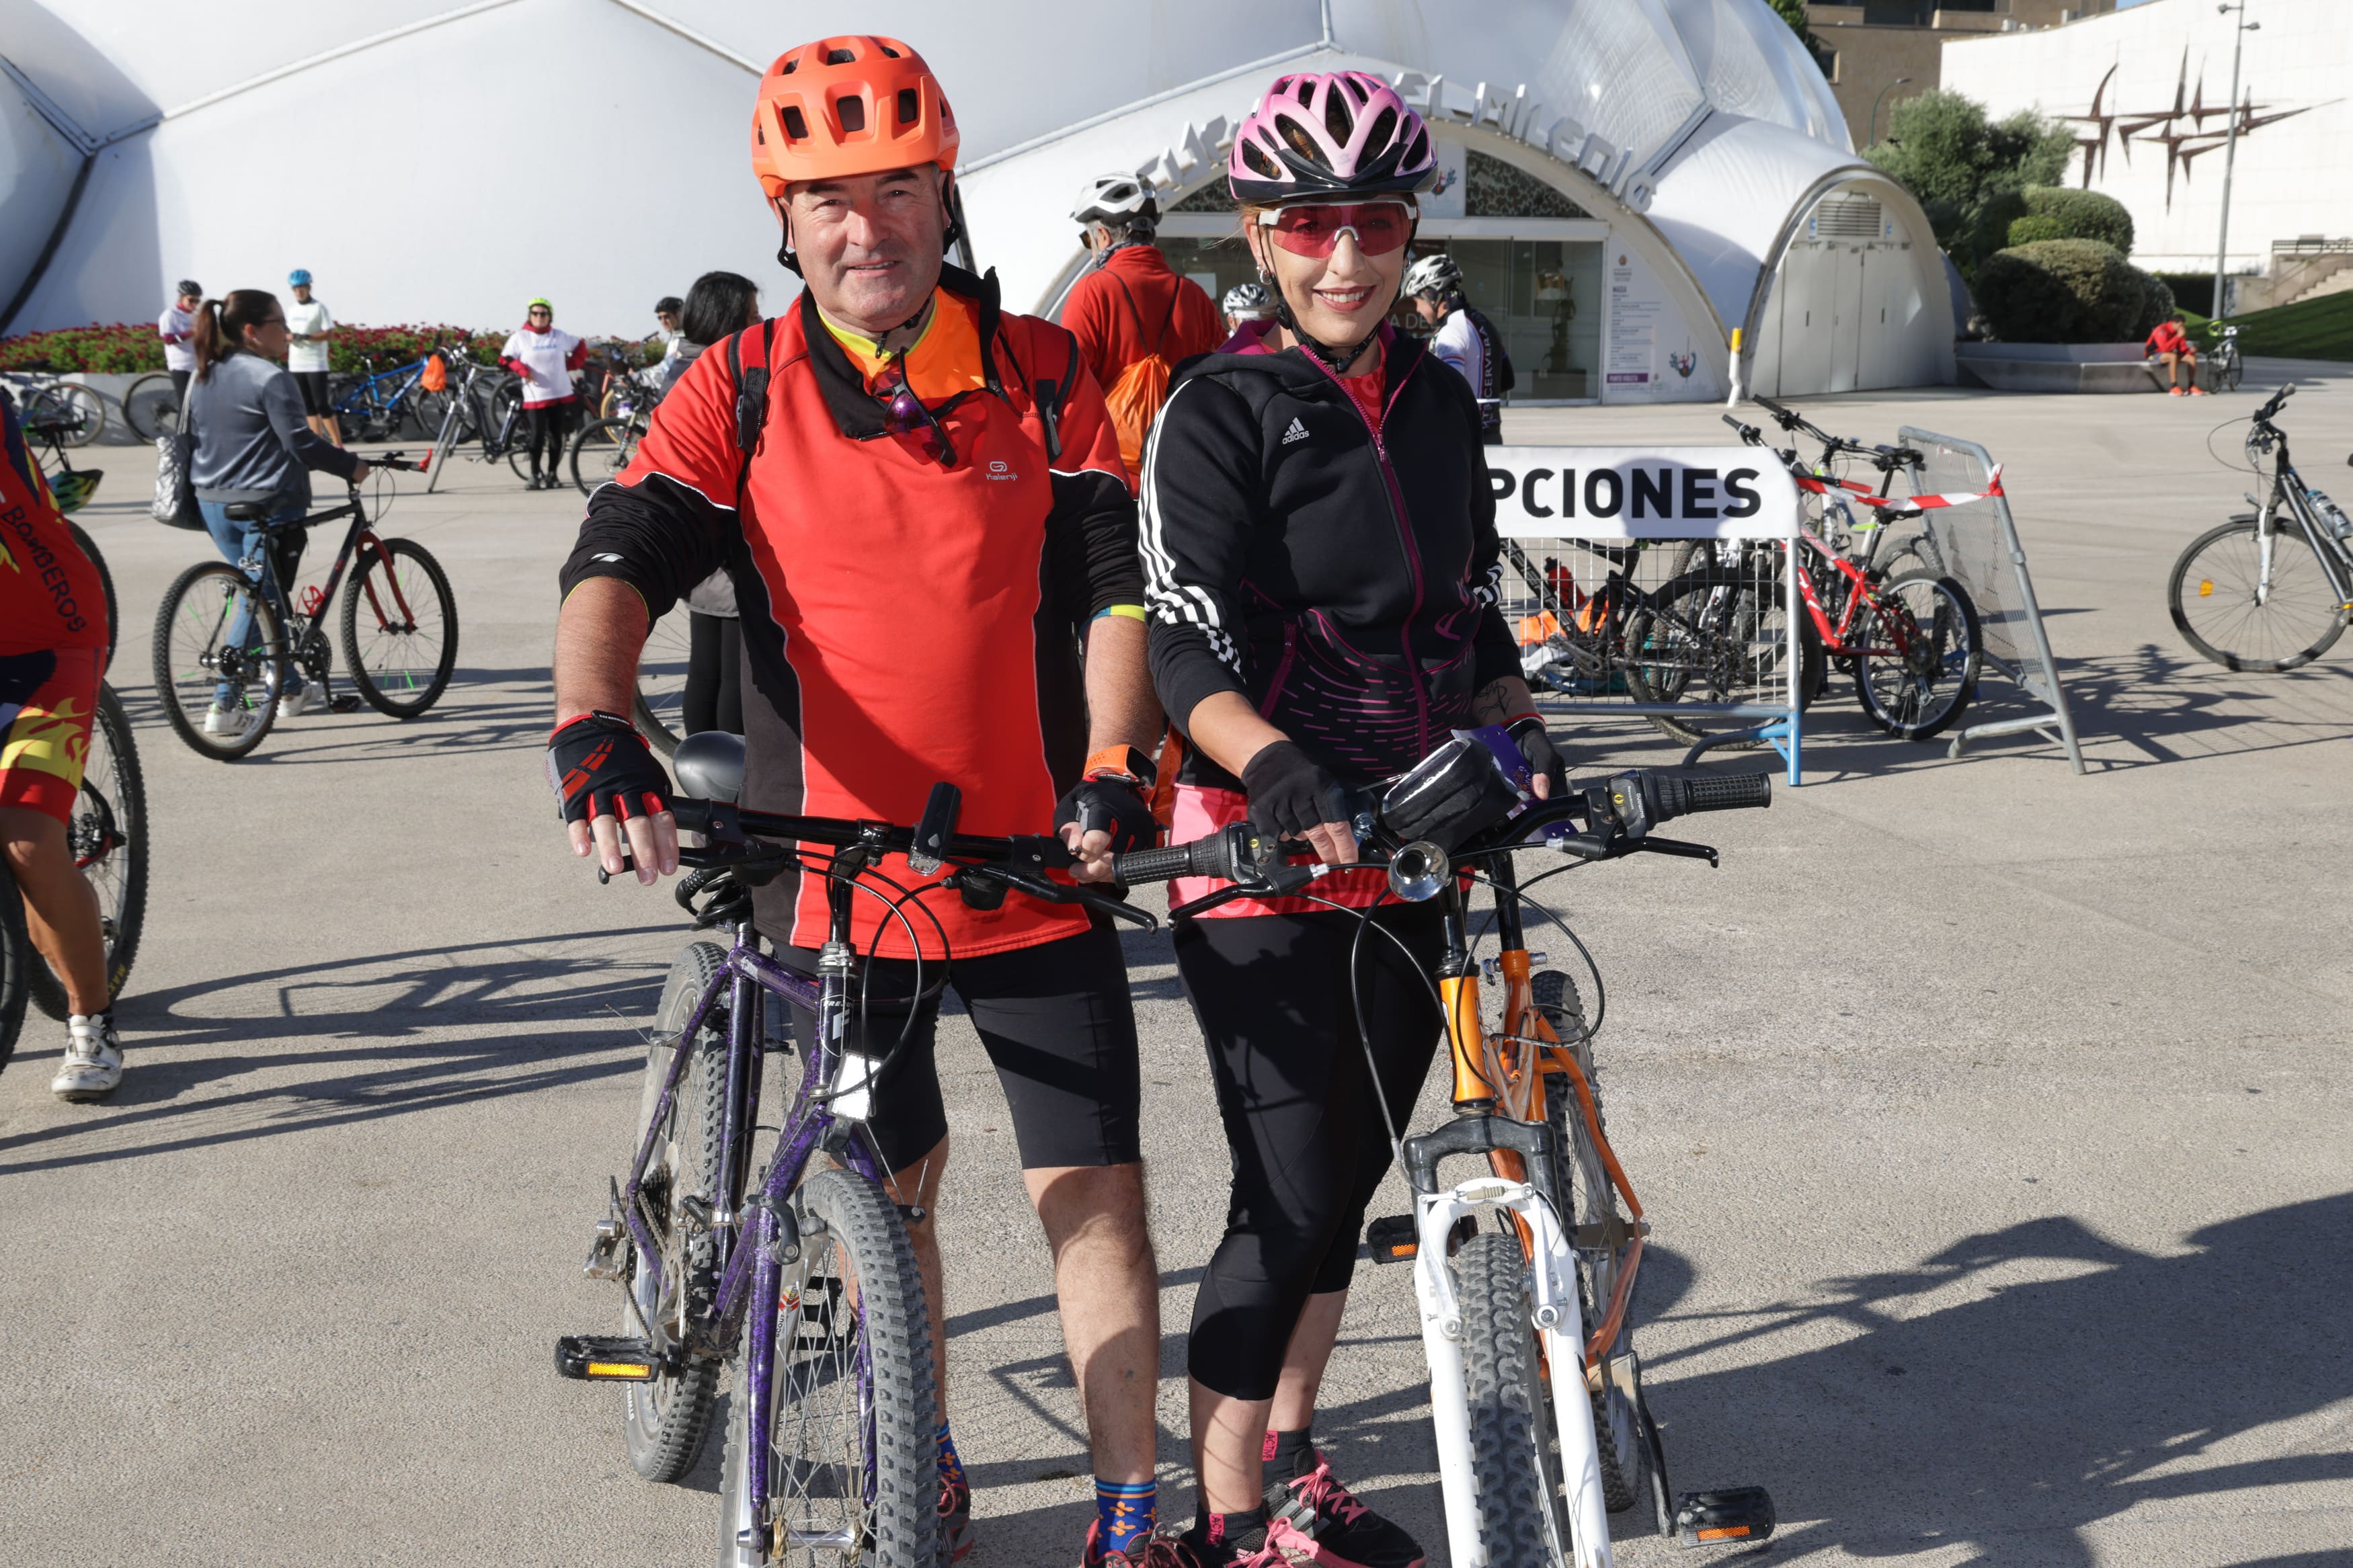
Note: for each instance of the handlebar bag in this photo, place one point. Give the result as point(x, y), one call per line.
point(1452, 795)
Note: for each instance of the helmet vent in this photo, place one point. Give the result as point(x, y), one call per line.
point(796, 126)
point(1302, 144)
point(1384, 128)
point(1414, 149)
point(888, 50)
point(1339, 118)
point(1304, 92)
point(791, 65)
point(851, 113)
point(840, 57)
point(907, 106)
point(1260, 165)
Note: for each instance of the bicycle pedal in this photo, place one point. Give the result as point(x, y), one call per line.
point(1393, 1239)
point(1737, 1515)
point(346, 703)
point(607, 1358)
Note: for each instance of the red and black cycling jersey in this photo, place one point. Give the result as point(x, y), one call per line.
point(903, 623)
point(51, 595)
point(1335, 565)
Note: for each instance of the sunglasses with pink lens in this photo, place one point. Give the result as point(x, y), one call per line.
point(1315, 229)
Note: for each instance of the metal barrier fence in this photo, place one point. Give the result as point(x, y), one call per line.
point(1978, 544)
point(1650, 583)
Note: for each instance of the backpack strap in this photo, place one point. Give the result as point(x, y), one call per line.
point(750, 384)
point(1049, 395)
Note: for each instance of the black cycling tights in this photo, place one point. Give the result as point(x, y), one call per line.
point(551, 423)
point(1305, 1131)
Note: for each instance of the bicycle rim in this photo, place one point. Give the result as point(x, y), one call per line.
point(196, 665)
point(2225, 610)
point(1915, 686)
point(601, 451)
point(400, 629)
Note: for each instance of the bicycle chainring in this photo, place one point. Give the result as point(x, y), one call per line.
point(314, 655)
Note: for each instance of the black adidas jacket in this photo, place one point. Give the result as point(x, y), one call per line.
point(1344, 583)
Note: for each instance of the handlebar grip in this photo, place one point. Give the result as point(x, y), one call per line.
point(1715, 791)
point(1221, 854)
point(1140, 865)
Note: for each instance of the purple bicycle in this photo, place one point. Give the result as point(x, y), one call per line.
point(835, 1392)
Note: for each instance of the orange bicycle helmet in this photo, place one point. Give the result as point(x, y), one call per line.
point(854, 105)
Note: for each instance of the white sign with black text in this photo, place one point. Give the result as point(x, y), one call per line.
point(1641, 492)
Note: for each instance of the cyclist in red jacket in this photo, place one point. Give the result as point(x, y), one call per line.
point(1134, 318)
point(930, 523)
point(52, 647)
point(2170, 347)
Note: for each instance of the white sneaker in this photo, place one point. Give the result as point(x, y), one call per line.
point(295, 705)
point(93, 1063)
point(220, 721)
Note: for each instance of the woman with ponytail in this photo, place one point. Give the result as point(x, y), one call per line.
point(253, 444)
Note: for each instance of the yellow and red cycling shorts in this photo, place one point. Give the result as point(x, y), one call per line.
point(48, 699)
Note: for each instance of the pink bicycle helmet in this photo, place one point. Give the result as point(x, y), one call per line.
point(1323, 134)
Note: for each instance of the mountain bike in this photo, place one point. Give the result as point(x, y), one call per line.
point(2224, 367)
point(227, 636)
point(831, 1452)
point(107, 834)
point(1912, 641)
point(374, 404)
point(73, 415)
point(1524, 1270)
point(2270, 589)
point(150, 405)
point(485, 406)
point(603, 448)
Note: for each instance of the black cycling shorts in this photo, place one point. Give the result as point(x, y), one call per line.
point(314, 386)
point(1058, 1025)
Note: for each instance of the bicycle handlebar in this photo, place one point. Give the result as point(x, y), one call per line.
point(2278, 399)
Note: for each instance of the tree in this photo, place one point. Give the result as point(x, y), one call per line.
point(1941, 147)
point(1794, 13)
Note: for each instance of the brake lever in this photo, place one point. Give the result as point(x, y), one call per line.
point(1067, 893)
point(1673, 847)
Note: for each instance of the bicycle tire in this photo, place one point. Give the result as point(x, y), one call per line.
point(18, 961)
point(1902, 698)
point(187, 613)
point(107, 835)
point(663, 1423)
point(88, 413)
point(1511, 1471)
point(2232, 567)
point(1589, 1200)
point(150, 405)
point(404, 676)
point(895, 1439)
point(602, 449)
point(106, 580)
point(661, 707)
point(1718, 630)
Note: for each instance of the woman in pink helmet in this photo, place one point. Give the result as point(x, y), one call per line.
point(1320, 550)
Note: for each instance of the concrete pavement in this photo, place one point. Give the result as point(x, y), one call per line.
point(1991, 1118)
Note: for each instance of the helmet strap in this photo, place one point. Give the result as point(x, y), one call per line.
point(1339, 360)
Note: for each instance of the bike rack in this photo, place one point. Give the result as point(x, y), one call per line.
point(1956, 466)
point(1572, 496)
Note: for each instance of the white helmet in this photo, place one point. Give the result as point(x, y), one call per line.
point(1250, 301)
point(1117, 201)
point(1433, 276)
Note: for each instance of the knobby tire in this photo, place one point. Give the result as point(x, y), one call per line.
point(1515, 1497)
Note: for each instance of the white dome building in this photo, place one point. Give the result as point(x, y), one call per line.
point(1633, 186)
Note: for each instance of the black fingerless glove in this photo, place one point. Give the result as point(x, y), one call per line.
point(1289, 792)
point(1111, 805)
point(599, 765)
point(1544, 762)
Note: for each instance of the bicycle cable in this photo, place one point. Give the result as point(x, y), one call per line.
point(2234, 468)
point(1601, 991)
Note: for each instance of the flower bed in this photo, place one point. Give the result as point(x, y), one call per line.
point(130, 347)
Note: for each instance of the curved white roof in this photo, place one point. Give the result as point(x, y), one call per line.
point(446, 161)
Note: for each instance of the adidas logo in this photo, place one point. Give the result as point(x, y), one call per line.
point(1297, 432)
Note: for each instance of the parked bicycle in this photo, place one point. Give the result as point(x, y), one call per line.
point(602, 449)
point(1524, 1271)
point(2224, 367)
point(107, 833)
point(831, 1450)
point(150, 405)
point(53, 427)
point(484, 406)
point(377, 406)
point(2270, 589)
point(226, 638)
point(71, 413)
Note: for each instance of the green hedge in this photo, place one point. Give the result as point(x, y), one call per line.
point(2033, 227)
point(2080, 214)
point(2069, 291)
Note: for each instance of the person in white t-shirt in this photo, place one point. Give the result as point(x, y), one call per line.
point(177, 327)
point(1465, 339)
point(545, 356)
point(308, 323)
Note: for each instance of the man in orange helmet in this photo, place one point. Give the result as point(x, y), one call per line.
point(920, 501)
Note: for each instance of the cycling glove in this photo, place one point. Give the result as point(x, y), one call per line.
point(600, 766)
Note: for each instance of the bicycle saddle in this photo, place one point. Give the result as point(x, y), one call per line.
point(710, 765)
point(247, 511)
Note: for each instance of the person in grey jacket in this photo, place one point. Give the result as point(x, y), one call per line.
point(252, 443)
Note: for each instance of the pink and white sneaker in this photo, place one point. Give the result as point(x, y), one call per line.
point(1329, 1526)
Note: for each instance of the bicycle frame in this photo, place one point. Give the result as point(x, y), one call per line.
point(300, 625)
point(366, 397)
point(2288, 495)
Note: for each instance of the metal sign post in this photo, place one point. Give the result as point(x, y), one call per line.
point(1706, 627)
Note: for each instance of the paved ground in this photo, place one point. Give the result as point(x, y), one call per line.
point(1992, 1119)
